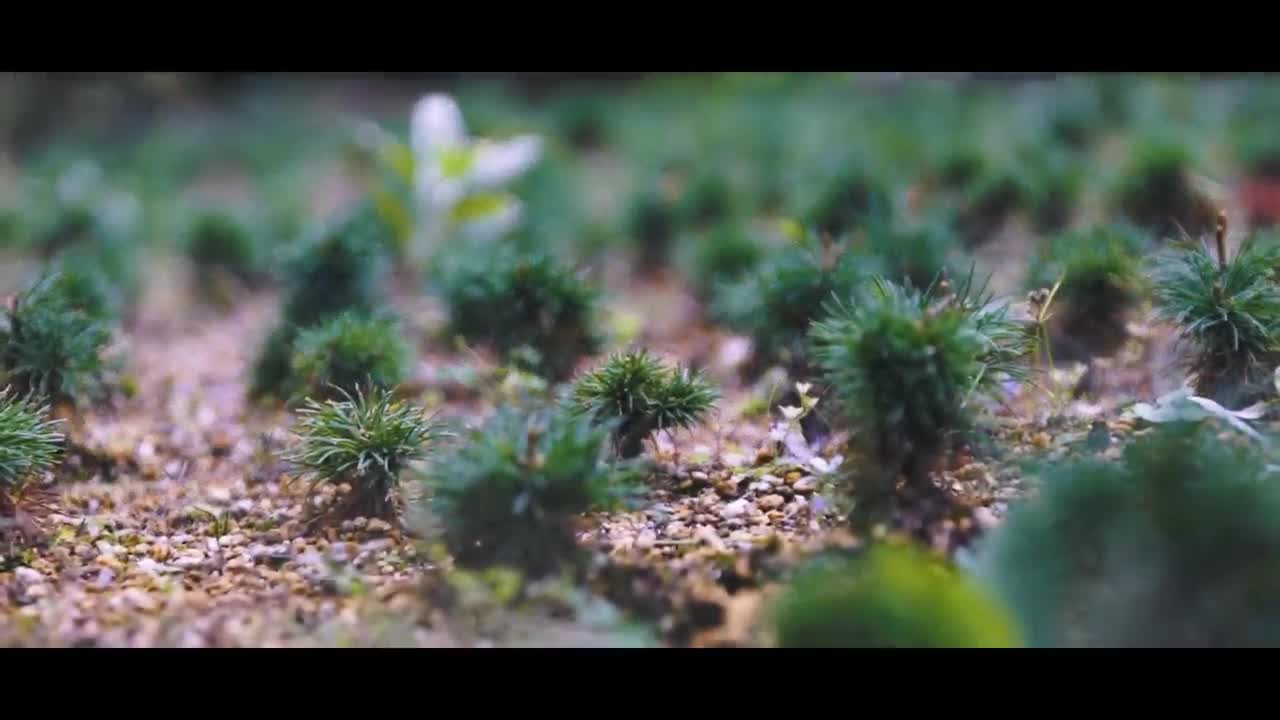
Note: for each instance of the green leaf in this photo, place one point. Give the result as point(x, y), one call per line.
point(480, 205)
point(455, 162)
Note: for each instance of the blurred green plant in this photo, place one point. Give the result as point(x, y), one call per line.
point(528, 308)
point(510, 493)
point(1102, 280)
point(889, 596)
point(346, 353)
point(51, 346)
point(219, 243)
point(1156, 191)
point(1172, 546)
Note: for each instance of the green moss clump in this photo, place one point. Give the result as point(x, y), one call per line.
point(365, 439)
point(889, 596)
point(723, 255)
point(651, 222)
point(643, 396)
point(219, 242)
point(50, 346)
point(902, 365)
point(1229, 312)
point(1175, 545)
point(1102, 280)
point(530, 309)
point(349, 352)
point(510, 493)
point(1156, 192)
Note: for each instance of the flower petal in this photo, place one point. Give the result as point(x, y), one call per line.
point(436, 124)
point(496, 163)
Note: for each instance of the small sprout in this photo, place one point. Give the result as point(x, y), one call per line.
point(529, 309)
point(643, 396)
point(510, 494)
point(365, 440)
point(1174, 545)
point(902, 365)
point(889, 596)
point(49, 345)
point(347, 352)
point(30, 445)
point(1229, 310)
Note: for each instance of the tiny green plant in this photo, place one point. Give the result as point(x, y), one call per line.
point(723, 255)
point(643, 396)
point(889, 596)
point(776, 302)
point(30, 445)
point(1156, 190)
point(347, 352)
point(1174, 545)
point(848, 197)
point(365, 439)
point(50, 346)
point(511, 492)
point(917, 253)
point(528, 307)
point(219, 242)
point(1102, 282)
point(709, 199)
point(651, 224)
point(1228, 309)
point(903, 364)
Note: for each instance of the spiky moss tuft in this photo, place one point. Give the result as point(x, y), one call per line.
point(639, 393)
point(889, 596)
point(30, 444)
point(528, 307)
point(1175, 545)
point(50, 346)
point(510, 493)
point(903, 364)
point(365, 439)
point(218, 241)
point(1229, 312)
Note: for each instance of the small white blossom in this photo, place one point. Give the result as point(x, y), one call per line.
point(790, 411)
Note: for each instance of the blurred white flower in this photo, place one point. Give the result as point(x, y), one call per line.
point(436, 125)
point(803, 387)
point(790, 411)
point(496, 163)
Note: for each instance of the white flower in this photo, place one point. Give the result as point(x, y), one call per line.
point(436, 125)
point(803, 387)
point(790, 411)
point(496, 163)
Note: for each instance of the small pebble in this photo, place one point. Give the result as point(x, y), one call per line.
point(771, 502)
point(806, 484)
point(736, 509)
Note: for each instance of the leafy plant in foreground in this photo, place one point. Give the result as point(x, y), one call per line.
point(511, 492)
point(889, 596)
point(365, 439)
point(643, 396)
point(51, 346)
point(528, 308)
point(902, 365)
point(1228, 309)
point(30, 445)
point(348, 352)
point(1173, 546)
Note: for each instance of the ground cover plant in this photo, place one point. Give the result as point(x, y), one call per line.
point(725, 360)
